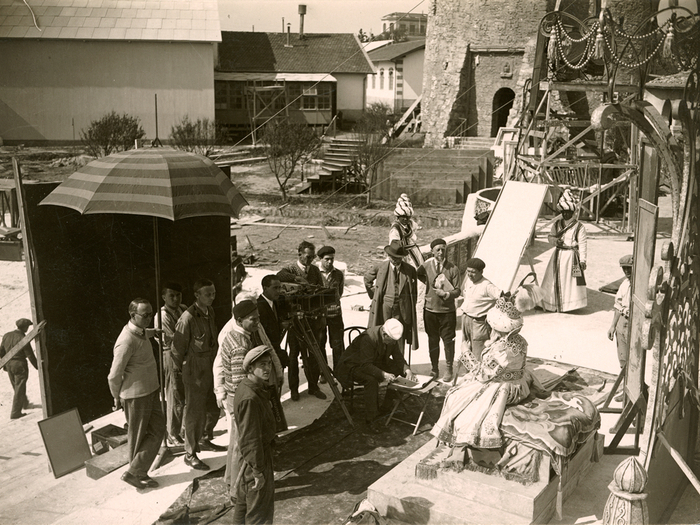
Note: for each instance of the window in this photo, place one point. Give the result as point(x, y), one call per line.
point(412, 29)
point(220, 94)
point(236, 97)
point(391, 79)
point(314, 95)
point(381, 79)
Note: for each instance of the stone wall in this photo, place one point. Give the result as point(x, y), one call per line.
point(468, 42)
point(436, 177)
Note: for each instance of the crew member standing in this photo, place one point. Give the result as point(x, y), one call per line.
point(442, 287)
point(303, 272)
point(194, 349)
point(228, 373)
point(332, 278)
point(619, 329)
point(255, 502)
point(133, 382)
point(480, 296)
point(170, 312)
point(272, 316)
point(393, 289)
point(17, 368)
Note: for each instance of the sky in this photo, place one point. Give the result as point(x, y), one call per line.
point(322, 16)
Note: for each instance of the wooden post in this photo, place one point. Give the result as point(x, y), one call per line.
point(34, 295)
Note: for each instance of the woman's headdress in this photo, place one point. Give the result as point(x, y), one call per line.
point(567, 201)
point(404, 208)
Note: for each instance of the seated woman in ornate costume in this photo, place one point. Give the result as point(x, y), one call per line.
point(474, 407)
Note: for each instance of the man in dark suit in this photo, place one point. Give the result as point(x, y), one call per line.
point(272, 318)
point(304, 273)
point(392, 287)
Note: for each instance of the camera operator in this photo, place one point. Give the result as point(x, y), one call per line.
point(304, 273)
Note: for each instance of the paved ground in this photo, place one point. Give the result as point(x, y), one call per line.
point(31, 495)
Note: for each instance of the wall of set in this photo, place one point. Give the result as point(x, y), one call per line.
point(381, 93)
point(50, 90)
point(413, 76)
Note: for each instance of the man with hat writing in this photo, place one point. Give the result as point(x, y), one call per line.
point(255, 483)
point(480, 295)
point(619, 329)
point(372, 357)
point(442, 283)
point(393, 289)
point(17, 368)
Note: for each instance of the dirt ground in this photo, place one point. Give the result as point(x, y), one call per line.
point(356, 230)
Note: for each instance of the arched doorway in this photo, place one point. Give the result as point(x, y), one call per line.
point(502, 102)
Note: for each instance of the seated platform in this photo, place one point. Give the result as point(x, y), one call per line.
point(471, 497)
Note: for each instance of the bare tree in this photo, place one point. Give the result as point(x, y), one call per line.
point(372, 131)
point(200, 136)
point(288, 145)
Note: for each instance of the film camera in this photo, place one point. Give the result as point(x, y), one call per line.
point(311, 301)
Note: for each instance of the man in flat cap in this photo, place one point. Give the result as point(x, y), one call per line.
point(442, 287)
point(480, 295)
point(133, 382)
point(303, 272)
point(170, 312)
point(619, 329)
point(194, 349)
point(393, 289)
point(332, 278)
point(255, 485)
point(229, 372)
point(16, 367)
point(372, 357)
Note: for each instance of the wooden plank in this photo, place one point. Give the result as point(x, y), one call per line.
point(101, 465)
point(34, 295)
point(28, 338)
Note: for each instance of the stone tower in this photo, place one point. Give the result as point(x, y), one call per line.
point(479, 55)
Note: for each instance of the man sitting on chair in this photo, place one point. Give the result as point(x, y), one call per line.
point(374, 356)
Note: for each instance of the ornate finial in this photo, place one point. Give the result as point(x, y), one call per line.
point(627, 504)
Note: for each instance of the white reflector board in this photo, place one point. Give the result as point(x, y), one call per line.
point(508, 231)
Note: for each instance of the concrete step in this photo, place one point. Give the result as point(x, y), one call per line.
point(334, 163)
point(346, 141)
point(338, 156)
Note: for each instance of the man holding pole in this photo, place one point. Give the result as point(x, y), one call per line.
point(16, 367)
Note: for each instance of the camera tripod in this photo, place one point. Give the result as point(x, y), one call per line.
point(303, 331)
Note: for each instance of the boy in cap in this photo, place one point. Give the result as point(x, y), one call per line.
point(16, 367)
point(372, 357)
point(442, 283)
point(480, 296)
point(332, 278)
point(619, 329)
point(255, 484)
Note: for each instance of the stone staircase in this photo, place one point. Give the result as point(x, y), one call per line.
point(334, 171)
point(469, 142)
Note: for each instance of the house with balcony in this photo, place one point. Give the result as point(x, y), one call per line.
point(305, 77)
point(397, 80)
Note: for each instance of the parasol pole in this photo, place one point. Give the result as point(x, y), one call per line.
point(164, 450)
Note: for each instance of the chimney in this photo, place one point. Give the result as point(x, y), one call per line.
point(302, 12)
point(289, 29)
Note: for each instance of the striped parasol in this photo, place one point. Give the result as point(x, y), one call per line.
point(157, 182)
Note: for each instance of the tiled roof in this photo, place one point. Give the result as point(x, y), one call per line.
point(172, 20)
point(316, 53)
point(392, 51)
